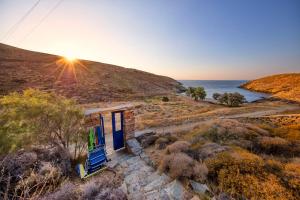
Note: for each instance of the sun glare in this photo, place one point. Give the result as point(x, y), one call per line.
point(70, 58)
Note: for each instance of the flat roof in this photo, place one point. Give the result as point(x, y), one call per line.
point(109, 109)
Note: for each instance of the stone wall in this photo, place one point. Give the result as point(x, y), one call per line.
point(129, 124)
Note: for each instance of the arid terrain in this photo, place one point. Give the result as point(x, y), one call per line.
point(85, 81)
point(285, 86)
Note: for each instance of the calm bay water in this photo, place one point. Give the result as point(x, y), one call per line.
point(221, 86)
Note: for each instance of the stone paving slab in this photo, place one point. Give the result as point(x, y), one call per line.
point(142, 182)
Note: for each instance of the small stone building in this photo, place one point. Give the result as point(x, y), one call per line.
point(123, 122)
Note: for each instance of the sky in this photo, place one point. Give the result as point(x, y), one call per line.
point(182, 39)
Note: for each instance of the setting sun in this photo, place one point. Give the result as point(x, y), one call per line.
point(70, 58)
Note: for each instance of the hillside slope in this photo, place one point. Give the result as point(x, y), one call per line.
point(83, 80)
point(285, 86)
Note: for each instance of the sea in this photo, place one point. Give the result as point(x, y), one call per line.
point(222, 86)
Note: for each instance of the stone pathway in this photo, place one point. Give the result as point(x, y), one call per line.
point(141, 181)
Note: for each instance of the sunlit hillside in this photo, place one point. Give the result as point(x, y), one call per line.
point(286, 86)
point(83, 80)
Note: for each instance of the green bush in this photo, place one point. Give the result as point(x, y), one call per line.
point(196, 93)
point(35, 117)
point(216, 96)
point(231, 99)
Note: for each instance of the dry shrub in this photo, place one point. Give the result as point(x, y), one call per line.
point(179, 146)
point(228, 130)
point(243, 175)
point(277, 146)
point(209, 150)
point(161, 143)
point(67, 191)
point(30, 174)
point(164, 140)
point(291, 177)
point(112, 194)
point(273, 166)
point(45, 180)
point(252, 187)
point(104, 187)
point(179, 165)
point(58, 156)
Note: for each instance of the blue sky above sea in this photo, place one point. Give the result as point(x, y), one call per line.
point(193, 39)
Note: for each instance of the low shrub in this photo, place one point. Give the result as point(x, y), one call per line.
point(242, 175)
point(291, 177)
point(178, 146)
point(273, 166)
point(112, 194)
point(165, 99)
point(67, 191)
point(31, 173)
point(163, 141)
point(179, 165)
point(272, 145)
point(216, 96)
point(103, 187)
point(47, 179)
point(226, 131)
point(209, 150)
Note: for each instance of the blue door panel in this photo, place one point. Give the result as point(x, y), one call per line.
point(118, 135)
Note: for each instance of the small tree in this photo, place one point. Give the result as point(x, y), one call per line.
point(196, 93)
point(235, 99)
point(190, 91)
point(39, 117)
point(216, 96)
point(232, 99)
point(223, 98)
point(199, 93)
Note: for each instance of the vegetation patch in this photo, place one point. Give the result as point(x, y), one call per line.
point(179, 165)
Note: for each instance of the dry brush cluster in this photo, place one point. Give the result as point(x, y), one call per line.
point(178, 164)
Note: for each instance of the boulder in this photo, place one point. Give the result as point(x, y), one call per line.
point(147, 139)
point(211, 149)
point(176, 191)
point(134, 147)
point(199, 188)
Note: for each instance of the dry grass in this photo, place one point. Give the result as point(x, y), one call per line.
point(94, 81)
point(243, 175)
point(284, 86)
point(180, 110)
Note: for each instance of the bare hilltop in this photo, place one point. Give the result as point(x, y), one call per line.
point(285, 86)
point(85, 81)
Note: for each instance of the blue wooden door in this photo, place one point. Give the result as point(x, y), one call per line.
point(100, 132)
point(118, 130)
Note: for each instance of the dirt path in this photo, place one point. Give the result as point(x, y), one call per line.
point(190, 125)
point(273, 111)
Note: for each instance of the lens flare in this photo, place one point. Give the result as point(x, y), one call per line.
point(70, 58)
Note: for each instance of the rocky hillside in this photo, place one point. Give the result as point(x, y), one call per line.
point(285, 86)
point(83, 80)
